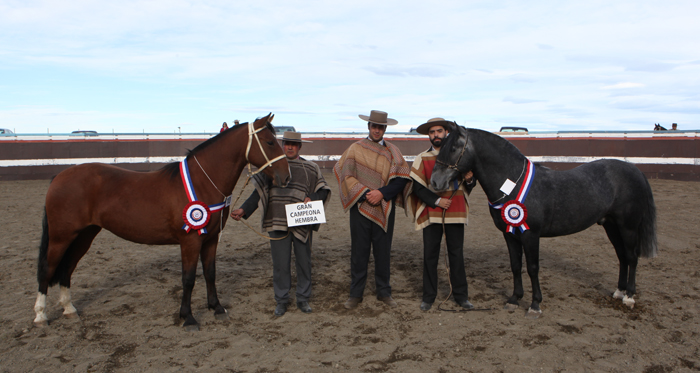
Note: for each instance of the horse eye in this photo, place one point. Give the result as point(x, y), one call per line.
point(270, 142)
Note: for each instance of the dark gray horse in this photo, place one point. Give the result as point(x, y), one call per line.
point(530, 201)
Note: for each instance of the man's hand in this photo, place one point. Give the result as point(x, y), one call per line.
point(237, 214)
point(307, 200)
point(444, 203)
point(468, 177)
point(374, 197)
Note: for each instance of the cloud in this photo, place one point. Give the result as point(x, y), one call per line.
point(624, 85)
point(163, 63)
point(515, 100)
point(652, 67)
point(418, 71)
point(522, 78)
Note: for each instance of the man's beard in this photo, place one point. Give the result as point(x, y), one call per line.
point(437, 142)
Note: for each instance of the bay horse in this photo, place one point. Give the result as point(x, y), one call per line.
point(529, 201)
point(147, 208)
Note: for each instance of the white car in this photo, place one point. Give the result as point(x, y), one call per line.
point(5, 131)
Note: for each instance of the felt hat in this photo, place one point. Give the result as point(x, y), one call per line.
point(425, 127)
point(292, 136)
point(378, 117)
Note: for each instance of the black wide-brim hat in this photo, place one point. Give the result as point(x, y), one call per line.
point(425, 127)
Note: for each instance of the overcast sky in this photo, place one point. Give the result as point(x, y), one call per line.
point(169, 65)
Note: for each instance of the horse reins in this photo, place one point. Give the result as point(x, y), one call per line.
point(253, 132)
point(447, 267)
point(464, 148)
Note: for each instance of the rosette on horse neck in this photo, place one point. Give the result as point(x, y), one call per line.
point(541, 202)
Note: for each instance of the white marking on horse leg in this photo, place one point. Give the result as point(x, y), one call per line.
point(64, 300)
point(618, 294)
point(39, 308)
point(628, 301)
point(532, 314)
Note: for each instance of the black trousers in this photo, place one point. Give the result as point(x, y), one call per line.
point(366, 236)
point(281, 251)
point(432, 237)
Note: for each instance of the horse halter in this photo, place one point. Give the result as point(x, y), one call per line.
point(464, 148)
point(254, 132)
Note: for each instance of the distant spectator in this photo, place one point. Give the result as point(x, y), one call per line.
point(224, 127)
point(674, 126)
point(235, 122)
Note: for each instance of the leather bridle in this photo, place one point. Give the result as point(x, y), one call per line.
point(254, 132)
point(464, 148)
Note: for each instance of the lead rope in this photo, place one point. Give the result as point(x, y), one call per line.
point(447, 267)
point(252, 132)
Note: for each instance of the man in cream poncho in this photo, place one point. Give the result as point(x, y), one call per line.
point(428, 208)
point(307, 184)
point(373, 179)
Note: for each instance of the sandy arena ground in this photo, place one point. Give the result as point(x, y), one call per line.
point(128, 296)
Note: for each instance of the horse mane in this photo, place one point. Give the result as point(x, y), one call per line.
point(173, 169)
point(214, 139)
point(496, 141)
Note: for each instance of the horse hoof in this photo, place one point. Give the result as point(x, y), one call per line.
point(72, 315)
point(618, 294)
point(628, 301)
point(510, 307)
point(533, 314)
point(191, 328)
point(41, 324)
point(221, 316)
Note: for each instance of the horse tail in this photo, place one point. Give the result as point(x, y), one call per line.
point(43, 262)
point(648, 245)
point(42, 265)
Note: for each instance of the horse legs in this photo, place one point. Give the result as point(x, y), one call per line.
point(515, 251)
point(51, 252)
point(624, 248)
point(189, 253)
point(531, 244)
point(58, 258)
point(75, 252)
point(208, 257)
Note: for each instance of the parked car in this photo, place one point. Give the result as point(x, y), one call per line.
point(513, 130)
point(83, 133)
point(5, 131)
point(282, 129)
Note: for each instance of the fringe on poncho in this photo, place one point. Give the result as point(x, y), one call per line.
point(367, 165)
point(306, 178)
point(424, 215)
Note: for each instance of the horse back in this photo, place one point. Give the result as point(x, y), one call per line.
point(137, 206)
point(570, 201)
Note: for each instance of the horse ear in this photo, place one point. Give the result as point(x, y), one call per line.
point(272, 116)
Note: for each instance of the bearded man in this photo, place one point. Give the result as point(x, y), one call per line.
point(430, 206)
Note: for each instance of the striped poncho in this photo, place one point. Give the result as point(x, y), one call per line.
point(367, 165)
point(306, 179)
point(424, 215)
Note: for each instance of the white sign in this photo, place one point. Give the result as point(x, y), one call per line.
point(305, 213)
point(507, 186)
